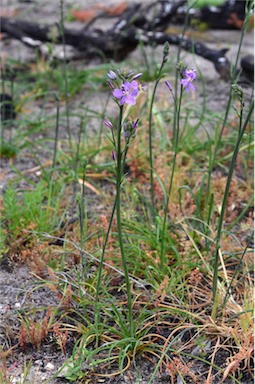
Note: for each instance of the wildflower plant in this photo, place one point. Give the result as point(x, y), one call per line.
point(125, 88)
point(186, 79)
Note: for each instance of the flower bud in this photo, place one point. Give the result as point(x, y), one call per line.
point(165, 52)
point(113, 156)
point(108, 123)
point(112, 75)
point(137, 76)
point(169, 86)
point(110, 85)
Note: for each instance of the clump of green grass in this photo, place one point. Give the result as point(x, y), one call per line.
point(8, 150)
point(25, 212)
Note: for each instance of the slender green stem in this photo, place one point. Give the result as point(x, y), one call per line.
point(231, 169)
point(100, 271)
point(121, 158)
point(176, 140)
point(2, 125)
point(242, 129)
point(51, 178)
point(151, 150)
point(82, 218)
point(75, 168)
point(65, 71)
point(144, 55)
point(56, 138)
point(151, 133)
point(12, 106)
point(119, 178)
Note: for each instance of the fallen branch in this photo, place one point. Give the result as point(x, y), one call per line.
point(135, 24)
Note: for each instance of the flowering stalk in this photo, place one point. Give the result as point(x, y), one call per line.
point(159, 73)
point(187, 78)
point(125, 93)
point(228, 107)
point(176, 140)
point(119, 178)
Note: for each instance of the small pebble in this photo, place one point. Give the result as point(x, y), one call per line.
point(49, 367)
point(17, 305)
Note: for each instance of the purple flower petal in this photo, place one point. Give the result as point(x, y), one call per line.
point(129, 99)
point(127, 92)
point(185, 82)
point(191, 73)
point(126, 86)
point(190, 87)
point(135, 85)
point(117, 93)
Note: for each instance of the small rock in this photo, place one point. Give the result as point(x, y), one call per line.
point(49, 367)
point(17, 305)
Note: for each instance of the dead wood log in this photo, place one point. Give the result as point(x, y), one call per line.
point(137, 23)
point(116, 43)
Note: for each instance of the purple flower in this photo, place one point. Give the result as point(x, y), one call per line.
point(188, 77)
point(127, 92)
